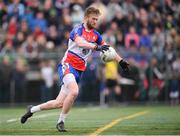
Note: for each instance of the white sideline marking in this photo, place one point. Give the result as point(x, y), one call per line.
point(35, 117)
point(45, 115)
point(11, 120)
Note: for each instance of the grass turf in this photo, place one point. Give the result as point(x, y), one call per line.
point(160, 120)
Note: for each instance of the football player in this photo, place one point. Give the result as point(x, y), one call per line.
point(83, 40)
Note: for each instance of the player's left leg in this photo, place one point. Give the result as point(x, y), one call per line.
point(52, 104)
point(57, 103)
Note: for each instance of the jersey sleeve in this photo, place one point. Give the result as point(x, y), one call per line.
point(77, 31)
point(99, 40)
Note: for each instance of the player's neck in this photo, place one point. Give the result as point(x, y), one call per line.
point(86, 27)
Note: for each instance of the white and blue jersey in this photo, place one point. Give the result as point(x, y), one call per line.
point(75, 58)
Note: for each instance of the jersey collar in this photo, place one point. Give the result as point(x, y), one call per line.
point(85, 28)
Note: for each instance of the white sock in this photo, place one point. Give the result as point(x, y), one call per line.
point(35, 109)
point(62, 117)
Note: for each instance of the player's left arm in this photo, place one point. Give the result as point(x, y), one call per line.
point(123, 64)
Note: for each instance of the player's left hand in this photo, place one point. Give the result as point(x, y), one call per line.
point(124, 65)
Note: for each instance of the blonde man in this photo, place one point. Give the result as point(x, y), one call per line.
point(83, 41)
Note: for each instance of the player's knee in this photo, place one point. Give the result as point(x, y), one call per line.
point(58, 104)
point(75, 93)
point(73, 88)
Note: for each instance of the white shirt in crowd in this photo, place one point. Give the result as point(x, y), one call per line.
point(48, 74)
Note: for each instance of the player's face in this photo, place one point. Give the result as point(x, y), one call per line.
point(92, 21)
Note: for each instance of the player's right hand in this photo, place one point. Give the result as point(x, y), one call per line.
point(101, 48)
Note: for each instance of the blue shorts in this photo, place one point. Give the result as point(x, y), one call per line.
point(66, 68)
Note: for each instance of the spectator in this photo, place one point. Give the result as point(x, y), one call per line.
point(158, 42)
point(50, 13)
point(19, 39)
point(130, 20)
point(143, 21)
point(129, 7)
point(77, 15)
point(132, 38)
point(145, 40)
point(39, 22)
point(119, 39)
point(47, 73)
point(52, 18)
point(5, 79)
point(155, 80)
point(54, 36)
point(170, 22)
point(143, 15)
point(114, 27)
point(65, 39)
point(12, 27)
point(48, 4)
point(38, 32)
point(24, 28)
point(28, 16)
point(120, 19)
point(2, 12)
point(29, 48)
point(114, 8)
point(175, 82)
point(19, 78)
point(33, 5)
point(66, 18)
point(16, 9)
point(169, 53)
point(41, 43)
point(112, 90)
point(8, 49)
point(153, 12)
point(170, 7)
point(109, 37)
point(175, 38)
point(60, 4)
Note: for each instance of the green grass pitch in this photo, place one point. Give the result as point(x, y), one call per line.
point(159, 120)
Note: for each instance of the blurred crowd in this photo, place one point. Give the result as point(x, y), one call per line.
point(34, 35)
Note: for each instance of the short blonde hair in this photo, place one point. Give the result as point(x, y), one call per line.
point(91, 10)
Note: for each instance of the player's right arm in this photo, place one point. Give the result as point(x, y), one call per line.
point(82, 43)
point(76, 36)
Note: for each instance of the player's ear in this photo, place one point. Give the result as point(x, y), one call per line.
point(85, 18)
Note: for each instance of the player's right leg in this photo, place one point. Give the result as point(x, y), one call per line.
point(73, 89)
point(52, 104)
